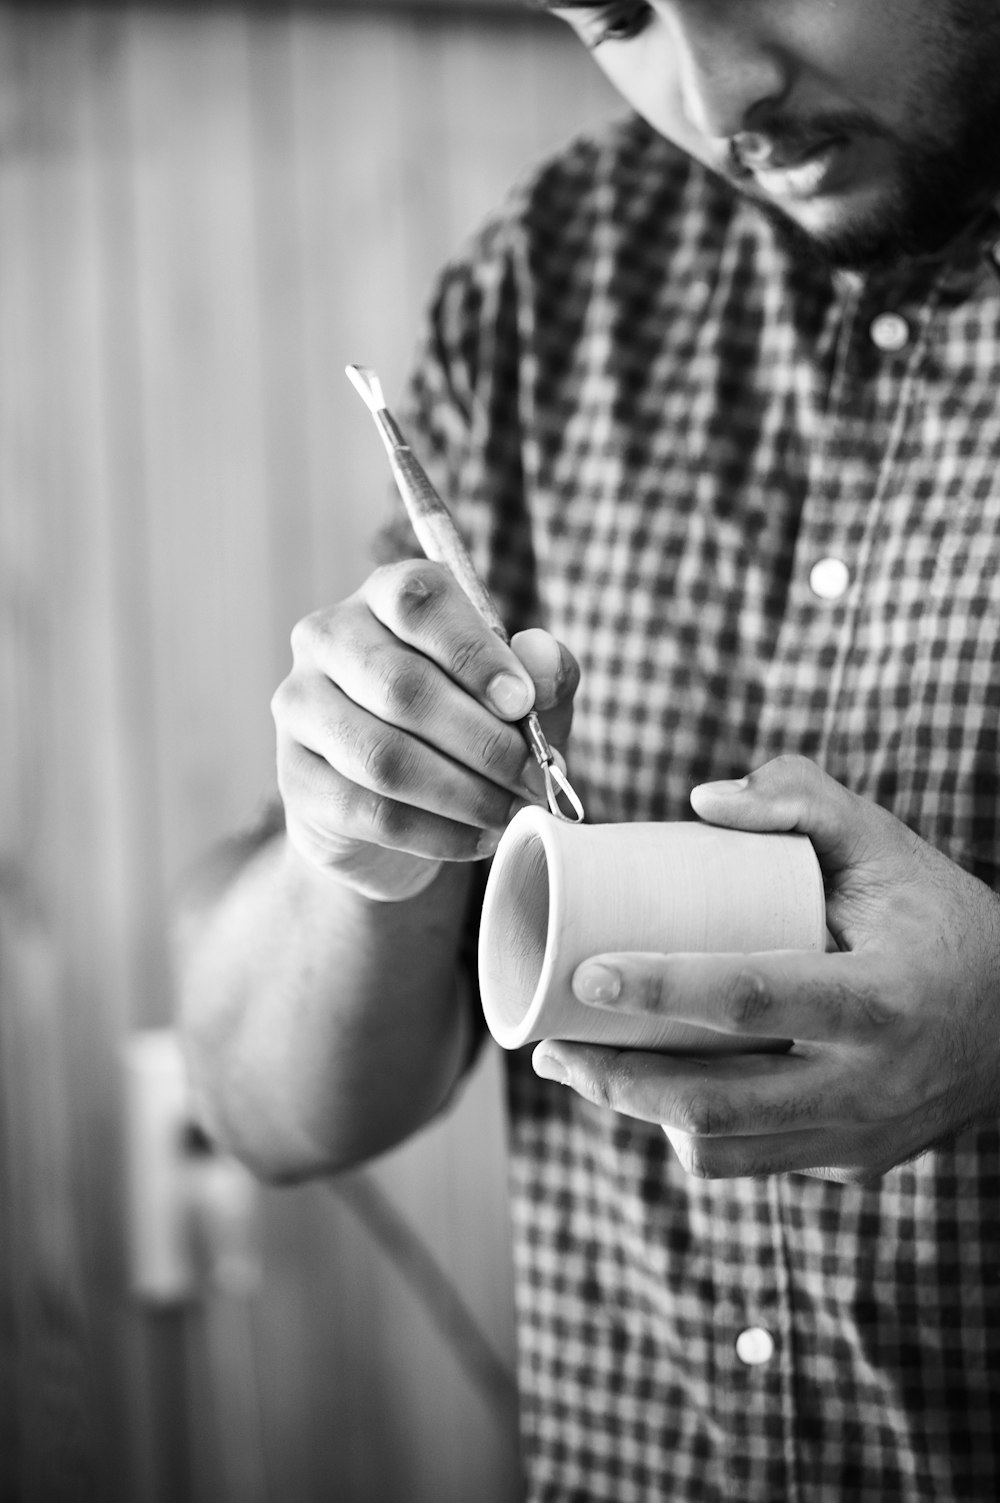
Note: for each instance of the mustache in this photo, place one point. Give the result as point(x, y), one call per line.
point(780, 140)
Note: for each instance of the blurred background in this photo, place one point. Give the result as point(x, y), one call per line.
point(205, 212)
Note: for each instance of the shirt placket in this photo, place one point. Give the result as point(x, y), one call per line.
point(754, 1348)
point(860, 428)
point(879, 351)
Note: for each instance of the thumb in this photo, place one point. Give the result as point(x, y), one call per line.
point(793, 794)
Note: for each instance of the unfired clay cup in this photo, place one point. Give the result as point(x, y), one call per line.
point(559, 893)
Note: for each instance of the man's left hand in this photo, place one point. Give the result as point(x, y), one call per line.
point(896, 1032)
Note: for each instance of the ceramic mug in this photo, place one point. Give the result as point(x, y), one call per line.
point(558, 893)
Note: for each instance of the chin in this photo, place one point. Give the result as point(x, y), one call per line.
point(865, 236)
point(879, 245)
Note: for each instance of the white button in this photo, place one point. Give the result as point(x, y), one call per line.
point(829, 578)
point(890, 332)
point(995, 252)
point(755, 1346)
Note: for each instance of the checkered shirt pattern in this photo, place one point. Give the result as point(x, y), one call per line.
point(653, 419)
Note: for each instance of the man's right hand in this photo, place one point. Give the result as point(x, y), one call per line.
point(398, 747)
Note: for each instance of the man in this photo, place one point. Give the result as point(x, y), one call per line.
point(715, 397)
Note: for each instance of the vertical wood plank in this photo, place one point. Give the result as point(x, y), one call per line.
point(204, 213)
point(201, 390)
point(52, 472)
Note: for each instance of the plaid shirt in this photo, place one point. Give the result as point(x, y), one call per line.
point(760, 504)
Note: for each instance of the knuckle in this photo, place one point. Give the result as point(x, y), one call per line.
point(794, 762)
point(500, 751)
point(415, 585)
point(310, 633)
point(473, 658)
point(302, 636)
point(852, 1007)
point(281, 701)
point(699, 1164)
point(384, 762)
point(702, 1115)
point(697, 1157)
point(710, 1160)
point(620, 1084)
point(746, 1000)
point(876, 1011)
point(390, 822)
point(791, 769)
point(403, 684)
point(608, 1086)
point(598, 1088)
point(858, 1178)
point(654, 991)
point(289, 700)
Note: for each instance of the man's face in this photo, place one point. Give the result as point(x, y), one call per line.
point(872, 125)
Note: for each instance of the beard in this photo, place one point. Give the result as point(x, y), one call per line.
point(942, 182)
point(934, 199)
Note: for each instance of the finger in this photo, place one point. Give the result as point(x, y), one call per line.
point(402, 688)
point(833, 997)
point(793, 794)
point(332, 814)
point(423, 605)
point(726, 1118)
point(388, 762)
point(750, 1095)
point(556, 676)
point(812, 1151)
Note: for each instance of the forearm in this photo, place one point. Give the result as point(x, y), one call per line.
point(320, 1026)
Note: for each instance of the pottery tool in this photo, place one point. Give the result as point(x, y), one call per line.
point(441, 541)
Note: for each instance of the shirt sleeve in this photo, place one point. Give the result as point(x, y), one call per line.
point(462, 414)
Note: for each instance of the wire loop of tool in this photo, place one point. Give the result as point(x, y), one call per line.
point(441, 541)
point(558, 789)
point(558, 786)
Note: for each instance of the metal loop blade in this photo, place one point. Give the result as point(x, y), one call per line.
point(558, 787)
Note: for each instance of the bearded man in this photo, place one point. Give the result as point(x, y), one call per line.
point(714, 396)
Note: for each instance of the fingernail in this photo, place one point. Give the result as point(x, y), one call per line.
point(509, 696)
point(725, 787)
point(597, 984)
point(550, 1068)
point(487, 844)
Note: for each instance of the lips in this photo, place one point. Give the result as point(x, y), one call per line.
point(792, 168)
point(759, 155)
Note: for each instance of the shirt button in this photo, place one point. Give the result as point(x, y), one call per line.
point(995, 254)
point(890, 332)
point(755, 1346)
point(829, 578)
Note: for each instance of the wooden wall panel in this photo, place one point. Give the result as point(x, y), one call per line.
point(61, 937)
point(204, 214)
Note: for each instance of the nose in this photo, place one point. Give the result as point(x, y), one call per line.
point(731, 74)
